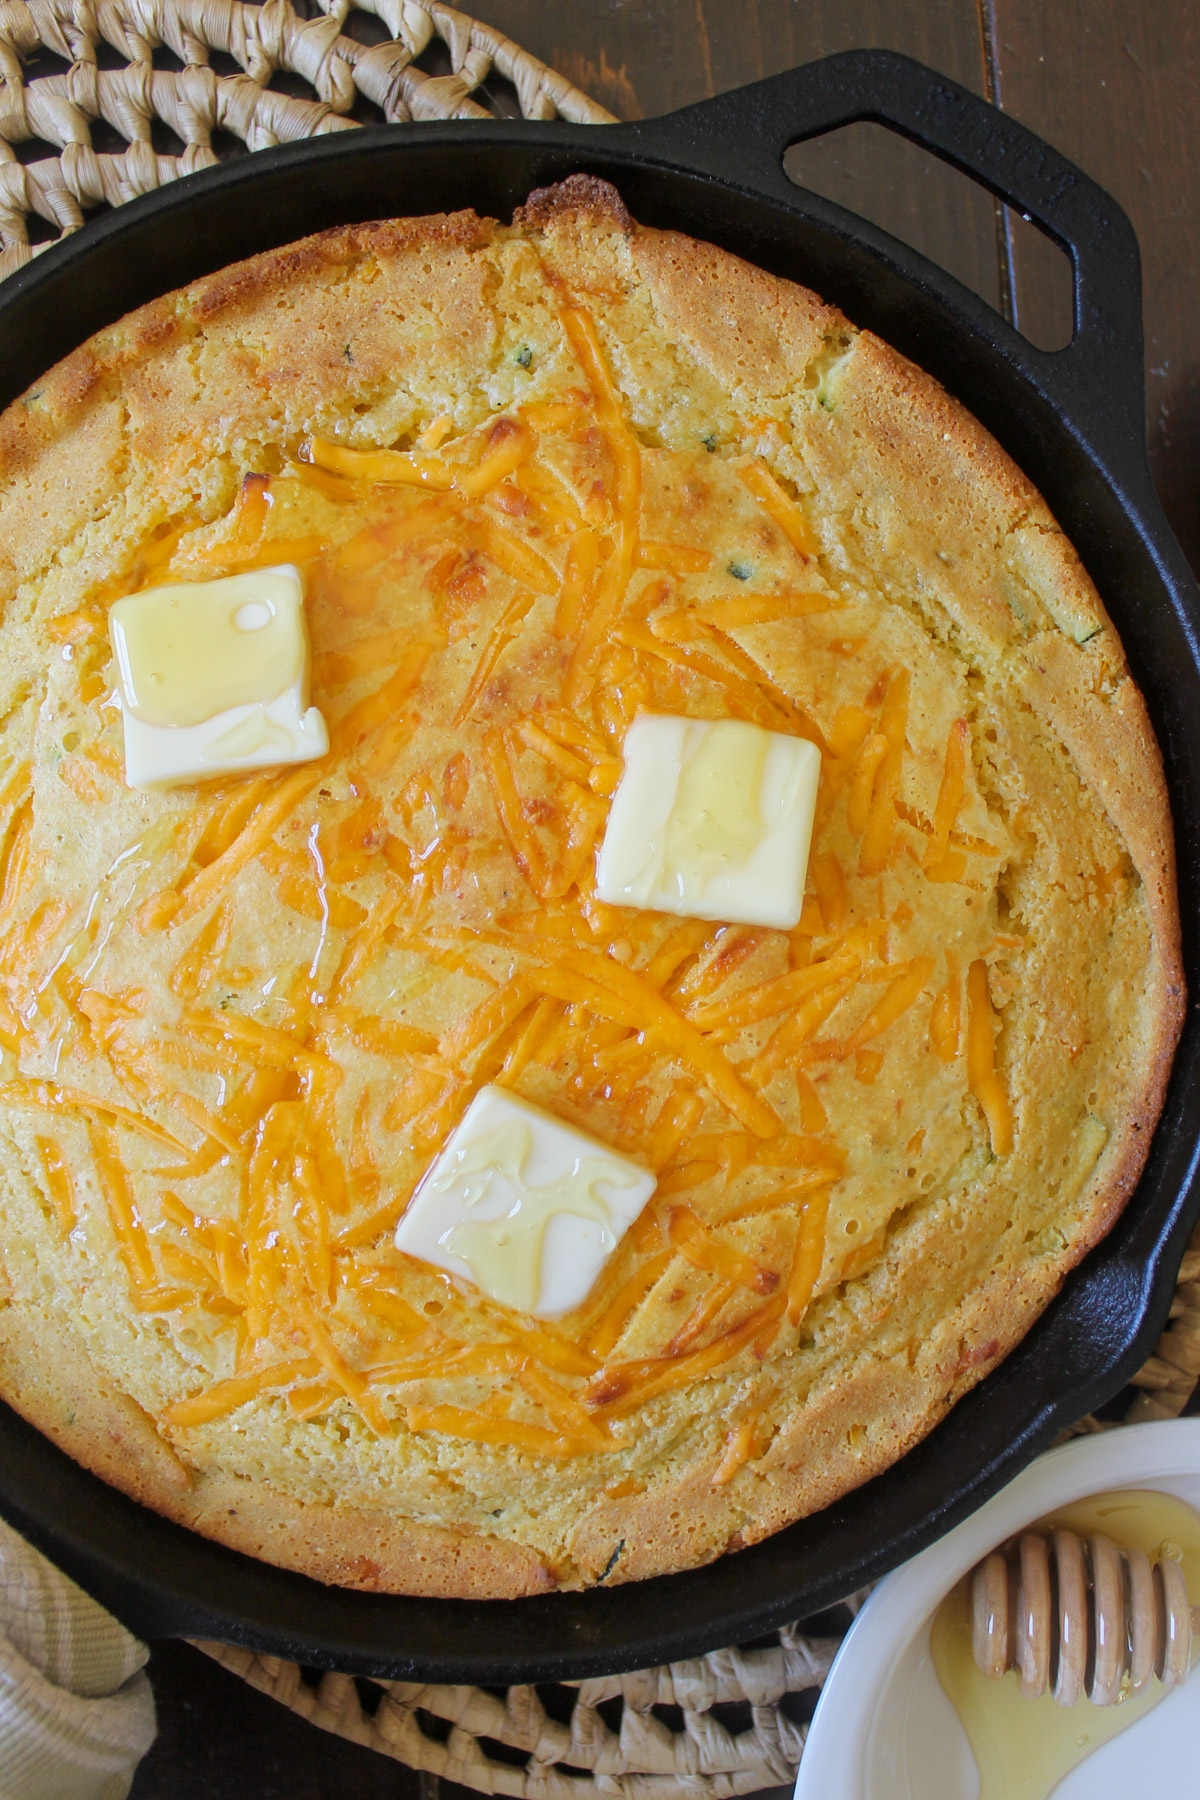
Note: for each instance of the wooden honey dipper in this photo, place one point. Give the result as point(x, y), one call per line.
point(1080, 1615)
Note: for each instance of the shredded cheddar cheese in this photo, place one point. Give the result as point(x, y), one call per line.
point(583, 557)
point(679, 559)
point(613, 578)
point(699, 1246)
point(623, 1387)
point(698, 1046)
point(787, 513)
point(945, 1018)
point(982, 1076)
point(941, 862)
point(880, 822)
point(60, 1184)
point(226, 1396)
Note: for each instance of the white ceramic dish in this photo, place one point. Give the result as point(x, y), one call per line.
point(884, 1730)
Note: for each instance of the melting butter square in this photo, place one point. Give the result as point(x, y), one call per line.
point(712, 819)
point(525, 1207)
point(212, 677)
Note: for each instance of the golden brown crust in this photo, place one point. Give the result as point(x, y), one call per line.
point(757, 336)
point(579, 201)
point(919, 515)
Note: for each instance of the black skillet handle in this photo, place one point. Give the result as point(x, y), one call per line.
point(1098, 378)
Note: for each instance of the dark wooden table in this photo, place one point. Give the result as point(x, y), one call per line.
point(1113, 84)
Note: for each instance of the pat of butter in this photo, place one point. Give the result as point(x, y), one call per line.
point(711, 819)
point(523, 1206)
point(212, 677)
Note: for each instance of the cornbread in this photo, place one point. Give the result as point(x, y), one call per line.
point(539, 481)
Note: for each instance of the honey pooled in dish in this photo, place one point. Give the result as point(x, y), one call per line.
point(539, 482)
point(1024, 1747)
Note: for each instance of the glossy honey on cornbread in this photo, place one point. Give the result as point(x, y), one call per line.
point(539, 480)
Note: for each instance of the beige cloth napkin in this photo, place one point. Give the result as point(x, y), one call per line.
point(76, 1713)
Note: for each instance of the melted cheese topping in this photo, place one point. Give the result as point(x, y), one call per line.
point(277, 1002)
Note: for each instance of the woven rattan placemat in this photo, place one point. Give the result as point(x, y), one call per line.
point(102, 100)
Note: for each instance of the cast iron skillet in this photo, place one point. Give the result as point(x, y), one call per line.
point(1073, 420)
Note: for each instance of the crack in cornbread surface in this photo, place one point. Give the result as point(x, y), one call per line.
point(540, 478)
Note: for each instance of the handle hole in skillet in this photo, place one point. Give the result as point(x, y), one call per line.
point(949, 218)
